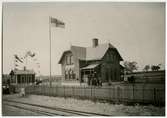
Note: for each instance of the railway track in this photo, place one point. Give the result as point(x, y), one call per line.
point(49, 111)
point(33, 110)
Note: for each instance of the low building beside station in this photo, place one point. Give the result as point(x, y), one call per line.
point(22, 77)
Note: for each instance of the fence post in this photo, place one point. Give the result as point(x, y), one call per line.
point(51, 91)
point(91, 91)
point(118, 94)
point(113, 93)
point(72, 91)
point(56, 90)
point(143, 94)
point(64, 91)
point(133, 93)
point(84, 92)
point(109, 93)
point(155, 96)
point(41, 90)
point(94, 89)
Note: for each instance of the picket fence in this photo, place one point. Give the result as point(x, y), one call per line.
point(127, 94)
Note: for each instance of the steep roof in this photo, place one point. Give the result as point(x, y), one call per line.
point(79, 52)
point(63, 55)
point(91, 53)
point(96, 53)
point(23, 72)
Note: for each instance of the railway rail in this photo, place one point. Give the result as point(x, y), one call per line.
point(32, 110)
point(47, 110)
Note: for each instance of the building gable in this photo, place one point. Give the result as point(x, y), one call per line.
point(111, 56)
point(64, 56)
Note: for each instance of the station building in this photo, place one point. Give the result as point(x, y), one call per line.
point(100, 60)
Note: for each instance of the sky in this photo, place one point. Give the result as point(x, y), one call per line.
point(137, 30)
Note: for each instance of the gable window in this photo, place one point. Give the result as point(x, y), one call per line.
point(71, 59)
point(67, 60)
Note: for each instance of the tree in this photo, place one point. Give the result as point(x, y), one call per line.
point(155, 67)
point(146, 68)
point(130, 66)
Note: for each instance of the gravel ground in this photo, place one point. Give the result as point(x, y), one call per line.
point(90, 106)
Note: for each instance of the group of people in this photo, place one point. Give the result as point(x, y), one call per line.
point(94, 80)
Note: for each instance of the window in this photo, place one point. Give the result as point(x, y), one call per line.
point(66, 74)
point(18, 79)
point(71, 59)
point(70, 74)
point(29, 80)
point(67, 60)
point(22, 79)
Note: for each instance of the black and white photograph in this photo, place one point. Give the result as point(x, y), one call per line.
point(83, 58)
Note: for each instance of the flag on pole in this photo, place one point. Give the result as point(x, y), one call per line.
point(17, 58)
point(57, 23)
point(29, 53)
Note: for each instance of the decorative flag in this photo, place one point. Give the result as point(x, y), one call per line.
point(17, 58)
point(57, 23)
point(32, 55)
point(29, 53)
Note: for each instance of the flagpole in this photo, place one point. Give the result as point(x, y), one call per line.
point(14, 65)
point(50, 83)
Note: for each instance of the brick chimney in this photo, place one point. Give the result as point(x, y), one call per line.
point(95, 42)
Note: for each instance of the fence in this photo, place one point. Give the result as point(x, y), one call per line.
point(130, 94)
point(148, 77)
